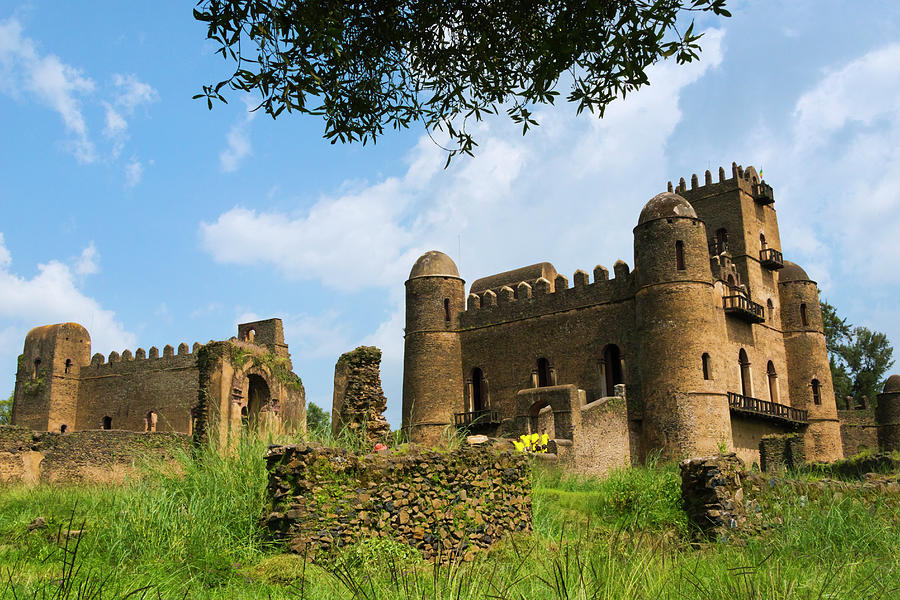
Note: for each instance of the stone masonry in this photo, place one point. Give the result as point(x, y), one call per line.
point(359, 402)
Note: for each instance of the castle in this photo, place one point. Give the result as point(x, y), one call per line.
point(712, 341)
point(216, 390)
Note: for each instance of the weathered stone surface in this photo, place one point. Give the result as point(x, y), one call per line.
point(782, 452)
point(712, 495)
point(448, 505)
point(359, 401)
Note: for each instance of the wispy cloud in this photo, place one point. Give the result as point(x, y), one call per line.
point(237, 140)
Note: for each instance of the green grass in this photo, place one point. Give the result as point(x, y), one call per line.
point(195, 534)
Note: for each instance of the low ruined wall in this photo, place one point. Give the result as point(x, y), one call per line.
point(858, 431)
point(782, 452)
point(603, 442)
point(713, 495)
point(104, 456)
point(448, 505)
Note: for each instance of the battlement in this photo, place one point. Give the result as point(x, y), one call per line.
point(747, 180)
point(543, 297)
point(140, 359)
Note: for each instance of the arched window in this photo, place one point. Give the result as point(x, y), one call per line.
point(804, 321)
point(746, 379)
point(679, 255)
point(543, 372)
point(68, 364)
point(731, 282)
point(762, 241)
point(773, 381)
point(770, 307)
point(37, 366)
point(107, 422)
point(251, 335)
point(706, 369)
point(817, 395)
point(478, 392)
point(258, 397)
point(610, 370)
point(446, 310)
point(721, 240)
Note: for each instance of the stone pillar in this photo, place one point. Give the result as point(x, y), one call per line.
point(712, 495)
point(359, 401)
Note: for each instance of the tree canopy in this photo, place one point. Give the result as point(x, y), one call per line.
point(367, 65)
point(859, 358)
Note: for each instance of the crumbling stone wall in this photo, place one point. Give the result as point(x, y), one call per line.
point(358, 398)
point(32, 457)
point(448, 505)
point(782, 452)
point(713, 495)
point(858, 430)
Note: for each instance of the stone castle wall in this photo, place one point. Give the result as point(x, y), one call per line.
point(31, 457)
point(448, 505)
point(858, 431)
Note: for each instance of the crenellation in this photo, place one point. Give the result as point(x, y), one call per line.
point(114, 357)
point(601, 273)
point(542, 287)
point(168, 351)
point(707, 178)
point(561, 283)
point(473, 302)
point(140, 354)
point(127, 355)
point(580, 279)
point(507, 295)
point(183, 349)
point(97, 359)
point(669, 187)
point(523, 291)
point(154, 353)
point(721, 175)
point(195, 348)
point(681, 185)
point(489, 299)
point(621, 270)
point(694, 181)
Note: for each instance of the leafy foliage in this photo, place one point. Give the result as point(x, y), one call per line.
point(859, 357)
point(364, 66)
point(317, 419)
point(6, 409)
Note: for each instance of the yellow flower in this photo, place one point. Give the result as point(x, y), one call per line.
point(519, 446)
point(545, 439)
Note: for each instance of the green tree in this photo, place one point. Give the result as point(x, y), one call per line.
point(859, 357)
point(367, 65)
point(6, 409)
point(317, 420)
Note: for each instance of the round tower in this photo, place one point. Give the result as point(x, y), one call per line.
point(432, 359)
point(887, 415)
point(47, 377)
point(685, 408)
point(809, 374)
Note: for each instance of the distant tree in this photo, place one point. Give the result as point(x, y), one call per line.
point(6, 409)
point(317, 420)
point(859, 357)
point(364, 66)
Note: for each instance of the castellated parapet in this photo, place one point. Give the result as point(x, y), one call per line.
point(695, 349)
point(219, 388)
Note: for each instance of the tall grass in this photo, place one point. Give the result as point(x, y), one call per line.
point(194, 531)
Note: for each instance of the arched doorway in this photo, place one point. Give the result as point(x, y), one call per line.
point(258, 397)
point(610, 370)
point(478, 392)
point(746, 385)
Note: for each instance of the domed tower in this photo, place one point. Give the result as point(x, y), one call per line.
point(887, 415)
point(46, 394)
point(685, 407)
point(809, 375)
point(432, 358)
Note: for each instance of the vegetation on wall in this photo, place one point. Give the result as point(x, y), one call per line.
point(859, 358)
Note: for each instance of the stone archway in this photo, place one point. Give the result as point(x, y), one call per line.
point(258, 398)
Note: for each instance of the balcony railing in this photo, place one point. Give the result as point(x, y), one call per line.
point(763, 194)
point(476, 418)
point(771, 258)
point(763, 408)
point(743, 307)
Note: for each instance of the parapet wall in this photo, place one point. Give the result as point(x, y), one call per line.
point(448, 505)
point(545, 297)
point(32, 457)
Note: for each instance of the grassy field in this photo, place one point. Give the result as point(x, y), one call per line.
point(195, 535)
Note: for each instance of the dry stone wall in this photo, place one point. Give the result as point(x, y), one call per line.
point(782, 452)
point(359, 401)
point(448, 505)
point(713, 495)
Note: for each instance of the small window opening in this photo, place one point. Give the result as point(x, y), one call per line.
point(770, 307)
point(817, 395)
point(107, 422)
point(804, 320)
point(68, 364)
point(543, 372)
point(722, 240)
point(63, 428)
point(705, 360)
point(150, 421)
point(731, 282)
point(746, 385)
point(251, 335)
point(478, 402)
point(762, 241)
point(679, 255)
point(610, 370)
point(37, 367)
point(773, 382)
point(446, 310)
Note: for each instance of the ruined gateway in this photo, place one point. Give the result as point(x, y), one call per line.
point(711, 342)
point(215, 390)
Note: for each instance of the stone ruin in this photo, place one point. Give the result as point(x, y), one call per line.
point(359, 402)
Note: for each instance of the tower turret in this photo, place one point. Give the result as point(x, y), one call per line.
point(887, 415)
point(432, 358)
point(685, 408)
point(809, 375)
point(46, 394)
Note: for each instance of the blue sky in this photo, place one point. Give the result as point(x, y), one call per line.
point(132, 209)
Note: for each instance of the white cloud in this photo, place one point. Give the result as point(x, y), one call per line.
point(238, 145)
point(89, 261)
point(134, 170)
point(132, 92)
point(53, 296)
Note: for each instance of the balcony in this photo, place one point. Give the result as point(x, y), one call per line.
point(771, 259)
point(763, 194)
point(767, 410)
point(476, 418)
point(744, 308)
